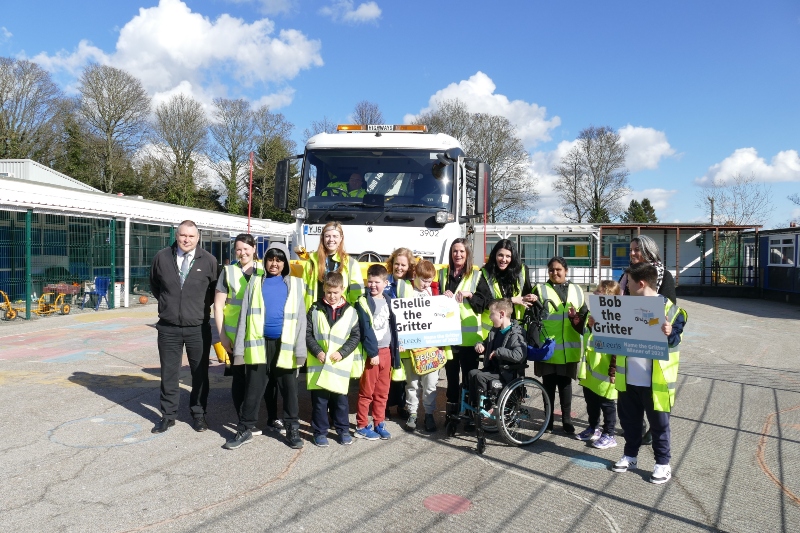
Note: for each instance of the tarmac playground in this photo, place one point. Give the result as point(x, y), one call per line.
point(80, 393)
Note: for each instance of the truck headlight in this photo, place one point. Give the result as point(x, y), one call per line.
point(300, 213)
point(443, 217)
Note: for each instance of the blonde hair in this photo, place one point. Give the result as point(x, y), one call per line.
point(609, 286)
point(322, 252)
point(425, 270)
point(409, 255)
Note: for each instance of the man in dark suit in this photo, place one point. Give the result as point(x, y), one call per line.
point(182, 279)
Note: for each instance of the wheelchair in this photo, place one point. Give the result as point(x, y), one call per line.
point(519, 411)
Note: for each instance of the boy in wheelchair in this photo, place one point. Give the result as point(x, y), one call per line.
point(505, 352)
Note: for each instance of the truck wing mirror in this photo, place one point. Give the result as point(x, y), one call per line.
point(282, 184)
point(483, 188)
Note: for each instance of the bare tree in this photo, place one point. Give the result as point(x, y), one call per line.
point(30, 104)
point(493, 139)
point(232, 131)
point(593, 179)
point(741, 200)
point(367, 113)
point(179, 136)
point(115, 107)
point(325, 125)
point(274, 142)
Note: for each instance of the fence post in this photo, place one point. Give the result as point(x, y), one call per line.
point(28, 276)
point(113, 241)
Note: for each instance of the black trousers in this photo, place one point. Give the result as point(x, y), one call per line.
point(247, 388)
point(324, 401)
point(171, 342)
point(281, 380)
point(594, 405)
point(464, 359)
point(479, 384)
point(564, 385)
point(634, 404)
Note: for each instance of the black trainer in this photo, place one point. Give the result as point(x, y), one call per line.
point(293, 438)
point(241, 438)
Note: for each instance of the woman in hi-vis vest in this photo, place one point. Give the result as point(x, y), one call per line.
point(401, 271)
point(332, 257)
point(559, 371)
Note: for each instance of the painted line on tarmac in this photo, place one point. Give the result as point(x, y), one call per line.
point(760, 451)
point(612, 524)
point(235, 497)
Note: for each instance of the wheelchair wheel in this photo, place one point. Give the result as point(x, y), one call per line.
point(524, 411)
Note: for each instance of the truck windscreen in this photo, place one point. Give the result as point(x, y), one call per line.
point(340, 179)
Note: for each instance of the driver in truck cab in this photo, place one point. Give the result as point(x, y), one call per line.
point(353, 188)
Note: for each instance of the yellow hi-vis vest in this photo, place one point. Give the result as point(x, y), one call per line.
point(254, 336)
point(404, 288)
point(593, 371)
point(353, 281)
point(471, 327)
point(557, 324)
point(519, 310)
point(334, 377)
point(343, 186)
point(237, 286)
point(665, 373)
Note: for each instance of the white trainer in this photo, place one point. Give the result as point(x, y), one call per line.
point(661, 474)
point(624, 464)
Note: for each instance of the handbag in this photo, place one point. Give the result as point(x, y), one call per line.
point(427, 360)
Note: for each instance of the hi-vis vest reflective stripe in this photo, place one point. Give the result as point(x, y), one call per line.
point(237, 285)
point(353, 282)
point(294, 301)
point(593, 372)
point(471, 327)
point(404, 288)
point(336, 377)
point(557, 324)
point(343, 186)
point(665, 374)
point(358, 354)
point(519, 310)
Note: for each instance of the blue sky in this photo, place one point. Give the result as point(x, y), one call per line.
point(698, 90)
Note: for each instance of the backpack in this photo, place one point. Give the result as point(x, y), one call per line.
point(533, 324)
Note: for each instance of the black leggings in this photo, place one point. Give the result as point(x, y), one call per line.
point(464, 359)
point(564, 384)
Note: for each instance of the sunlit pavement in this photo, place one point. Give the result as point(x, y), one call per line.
point(79, 395)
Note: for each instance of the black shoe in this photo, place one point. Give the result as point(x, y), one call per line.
point(430, 423)
point(569, 429)
point(162, 425)
point(293, 438)
point(241, 438)
point(199, 424)
point(647, 438)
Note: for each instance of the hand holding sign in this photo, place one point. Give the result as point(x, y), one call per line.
point(666, 327)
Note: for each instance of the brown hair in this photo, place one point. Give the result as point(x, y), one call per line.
point(377, 271)
point(322, 252)
point(333, 280)
point(502, 304)
point(409, 255)
point(609, 286)
point(643, 272)
point(425, 270)
point(467, 260)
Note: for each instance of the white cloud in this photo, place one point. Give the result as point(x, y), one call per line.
point(169, 46)
point(276, 100)
point(785, 166)
point(659, 198)
point(478, 93)
point(344, 11)
point(5, 34)
point(646, 147)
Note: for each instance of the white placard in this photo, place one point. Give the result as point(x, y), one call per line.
point(629, 325)
point(425, 322)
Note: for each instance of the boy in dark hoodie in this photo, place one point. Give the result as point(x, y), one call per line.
point(505, 345)
point(332, 335)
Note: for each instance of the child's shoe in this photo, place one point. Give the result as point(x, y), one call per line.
point(321, 441)
point(661, 474)
point(589, 434)
point(380, 429)
point(366, 433)
point(605, 441)
point(345, 439)
point(411, 423)
point(624, 464)
point(430, 423)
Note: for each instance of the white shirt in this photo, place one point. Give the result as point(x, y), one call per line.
point(639, 371)
point(180, 254)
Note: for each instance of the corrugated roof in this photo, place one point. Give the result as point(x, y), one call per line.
point(29, 170)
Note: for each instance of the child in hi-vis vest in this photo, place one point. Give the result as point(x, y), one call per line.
point(332, 334)
point(647, 387)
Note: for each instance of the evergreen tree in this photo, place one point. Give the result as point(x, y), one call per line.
point(599, 215)
point(635, 212)
point(649, 211)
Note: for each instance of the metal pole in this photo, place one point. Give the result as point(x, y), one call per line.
point(112, 230)
point(250, 196)
point(28, 277)
point(127, 273)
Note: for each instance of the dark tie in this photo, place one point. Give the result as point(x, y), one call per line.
point(184, 268)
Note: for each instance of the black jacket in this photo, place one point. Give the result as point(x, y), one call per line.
point(311, 342)
point(190, 305)
point(513, 351)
